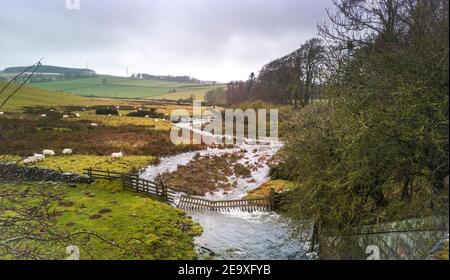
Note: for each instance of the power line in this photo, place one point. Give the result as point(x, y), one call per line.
point(23, 83)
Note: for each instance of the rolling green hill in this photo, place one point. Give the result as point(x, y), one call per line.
point(31, 96)
point(126, 88)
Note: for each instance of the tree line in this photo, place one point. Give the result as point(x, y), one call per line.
point(376, 148)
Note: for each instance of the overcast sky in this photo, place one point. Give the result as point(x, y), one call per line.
point(218, 40)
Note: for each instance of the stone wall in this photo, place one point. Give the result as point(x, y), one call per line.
point(412, 239)
point(12, 172)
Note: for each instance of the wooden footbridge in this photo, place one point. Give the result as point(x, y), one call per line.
point(189, 203)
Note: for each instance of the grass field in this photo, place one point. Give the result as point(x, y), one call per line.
point(77, 163)
point(139, 226)
point(127, 88)
point(32, 96)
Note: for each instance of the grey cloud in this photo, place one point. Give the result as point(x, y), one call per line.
point(209, 39)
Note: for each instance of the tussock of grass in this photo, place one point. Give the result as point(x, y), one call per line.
point(277, 185)
point(76, 163)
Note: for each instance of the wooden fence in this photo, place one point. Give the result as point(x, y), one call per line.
point(134, 183)
point(148, 187)
point(102, 174)
point(246, 205)
point(166, 194)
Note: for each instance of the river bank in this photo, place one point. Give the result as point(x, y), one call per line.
point(238, 235)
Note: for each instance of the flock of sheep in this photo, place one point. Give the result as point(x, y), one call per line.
point(40, 157)
point(48, 153)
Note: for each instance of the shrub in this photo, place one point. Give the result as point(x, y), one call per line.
point(106, 111)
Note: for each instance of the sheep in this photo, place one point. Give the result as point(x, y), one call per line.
point(94, 124)
point(117, 155)
point(43, 115)
point(67, 151)
point(48, 153)
point(147, 116)
point(77, 115)
point(2, 113)
point(65, 116)
point(34, 159)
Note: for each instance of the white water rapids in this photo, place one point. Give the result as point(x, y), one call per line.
point(239, 235)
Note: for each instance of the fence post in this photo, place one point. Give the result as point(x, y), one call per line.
point(164, 193)
point(272, 199)
point(90, 174)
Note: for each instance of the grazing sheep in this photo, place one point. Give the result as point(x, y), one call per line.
point(65, 116)
point(147, 116)
point(117, 155)
point(94, 124)
point(67, 152)
point(34, 159)
point(2, 113)
point(77, 115)
point(48, 153)
point(43, 115)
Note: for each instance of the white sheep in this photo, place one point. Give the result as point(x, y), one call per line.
point(65, 116)
point(34, 159)
point(43, 115)
point(67, 152)
point(77, 115)
point(2, 113)
point(94, 124)
point(48, 153)
point(147, 116)
point(117, 155)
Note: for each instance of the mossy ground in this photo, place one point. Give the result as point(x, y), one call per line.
point(147, 228)
point(76, 163)
point(277, 185)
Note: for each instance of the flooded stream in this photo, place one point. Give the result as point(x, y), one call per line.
point(239, 235)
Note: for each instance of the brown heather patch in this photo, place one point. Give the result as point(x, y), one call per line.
point(205, 174)
point(34, 135)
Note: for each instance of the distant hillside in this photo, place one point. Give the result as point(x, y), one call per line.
point(117, 87)
point(48, 69)
point(169, 78)
point(31, 96)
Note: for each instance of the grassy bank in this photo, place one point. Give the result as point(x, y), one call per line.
point(76, 163)
point(126, 225)
point(276, 185)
